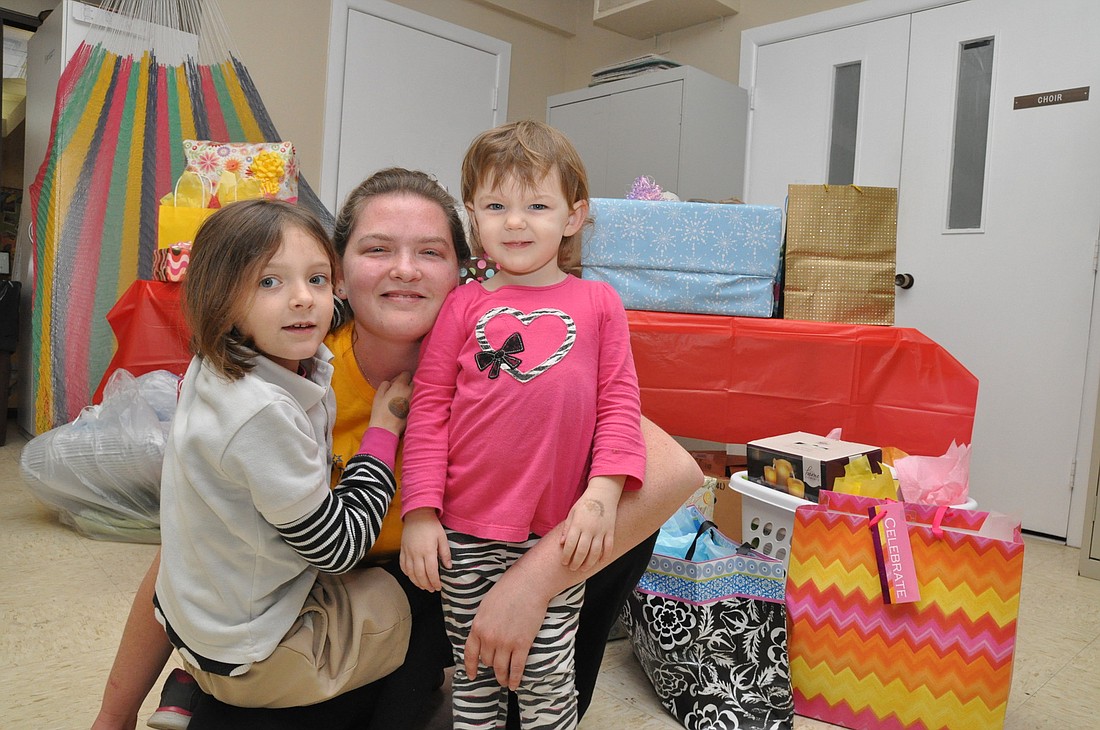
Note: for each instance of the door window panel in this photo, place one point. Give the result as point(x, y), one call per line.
point(975, 83)
point(842, 143)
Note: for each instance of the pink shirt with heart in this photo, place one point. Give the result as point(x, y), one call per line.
point(522, 394)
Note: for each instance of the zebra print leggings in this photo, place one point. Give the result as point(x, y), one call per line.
point(547, 695)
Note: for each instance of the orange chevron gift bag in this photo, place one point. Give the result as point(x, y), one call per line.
point(942, 661)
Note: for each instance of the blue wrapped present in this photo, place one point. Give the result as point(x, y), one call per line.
point(696, 258)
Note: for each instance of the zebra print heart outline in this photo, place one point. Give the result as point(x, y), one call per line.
point(526, 319)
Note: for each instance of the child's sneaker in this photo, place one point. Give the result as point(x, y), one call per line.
point(177, 701)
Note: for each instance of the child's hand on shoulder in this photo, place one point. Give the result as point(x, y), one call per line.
point(391, 404)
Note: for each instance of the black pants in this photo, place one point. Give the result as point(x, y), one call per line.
point(407, 698)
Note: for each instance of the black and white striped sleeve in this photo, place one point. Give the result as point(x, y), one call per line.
point(336, 535)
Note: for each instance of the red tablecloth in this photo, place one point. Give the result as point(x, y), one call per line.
point(149, 330)
point(726, 379)
point(735, 379)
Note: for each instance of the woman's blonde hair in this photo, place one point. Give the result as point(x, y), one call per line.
point(230, 250)
point(527, 151)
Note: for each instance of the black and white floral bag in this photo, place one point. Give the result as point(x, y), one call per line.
point(708, 625)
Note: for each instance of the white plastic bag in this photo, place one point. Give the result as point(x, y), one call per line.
point(101, 472)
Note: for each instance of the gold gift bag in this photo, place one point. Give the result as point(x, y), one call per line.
point(840, 254)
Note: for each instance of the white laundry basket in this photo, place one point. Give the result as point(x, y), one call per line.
point(767, 517)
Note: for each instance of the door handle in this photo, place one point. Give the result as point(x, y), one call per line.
point(903, 281)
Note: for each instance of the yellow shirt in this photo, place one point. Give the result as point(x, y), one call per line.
point(354, 397)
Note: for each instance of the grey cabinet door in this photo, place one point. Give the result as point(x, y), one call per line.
point(626, 134)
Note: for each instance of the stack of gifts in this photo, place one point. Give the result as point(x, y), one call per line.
point(804, 465)
point(902, 598)
point(218, 173)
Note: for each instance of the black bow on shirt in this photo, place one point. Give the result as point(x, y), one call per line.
point(503, 356)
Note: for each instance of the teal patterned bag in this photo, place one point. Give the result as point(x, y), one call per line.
point(711, 568)
point(709, 627)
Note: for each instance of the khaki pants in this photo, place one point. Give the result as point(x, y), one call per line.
point(353, 629)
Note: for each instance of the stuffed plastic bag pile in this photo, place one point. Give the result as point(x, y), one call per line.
point(101, 472)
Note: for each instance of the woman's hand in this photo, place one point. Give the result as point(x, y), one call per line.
point(507, 621)
point(424, 548)
point(390, 408)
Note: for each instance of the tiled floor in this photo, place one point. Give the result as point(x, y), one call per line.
point(65, 599)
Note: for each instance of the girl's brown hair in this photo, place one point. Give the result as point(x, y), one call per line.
point(230, 250)
point(528, 151)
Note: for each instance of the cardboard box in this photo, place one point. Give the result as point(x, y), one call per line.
point(727, 510)
point(721, 504)
point(802, 464)
point(718, 464)
point(712, 463)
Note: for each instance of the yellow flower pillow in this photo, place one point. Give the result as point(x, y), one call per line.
point(270, 166)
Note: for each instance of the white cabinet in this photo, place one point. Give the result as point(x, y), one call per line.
point(682, 127)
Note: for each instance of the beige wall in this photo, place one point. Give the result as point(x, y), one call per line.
point(714, 47)
point(545, 62)
point(29, 7)
point(284, 46)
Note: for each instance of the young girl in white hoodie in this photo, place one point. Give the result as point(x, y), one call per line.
point(257, 588)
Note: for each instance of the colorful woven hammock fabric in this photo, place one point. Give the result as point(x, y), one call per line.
point(116, 146)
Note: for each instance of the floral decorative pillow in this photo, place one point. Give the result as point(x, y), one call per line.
point(273, 165)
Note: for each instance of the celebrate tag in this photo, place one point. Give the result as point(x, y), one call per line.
point(896, 571)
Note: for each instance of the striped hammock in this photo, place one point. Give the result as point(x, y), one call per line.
point(154, 73)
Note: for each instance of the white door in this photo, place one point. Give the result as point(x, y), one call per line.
point(406, 89)
point(1013, 298)
point(792, 103)
point(1010, 295)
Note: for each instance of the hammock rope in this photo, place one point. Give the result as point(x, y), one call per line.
point(150, 74)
